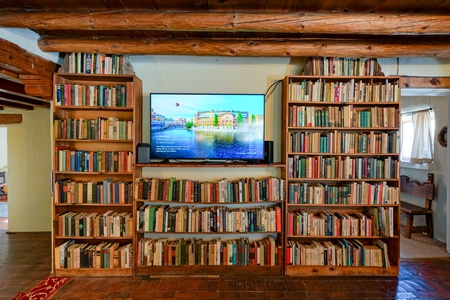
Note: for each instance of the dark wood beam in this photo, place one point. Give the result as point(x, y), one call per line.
point(15, 104)
point(338, 48)
point(7, 95)
point(10, 118)
point(320, 23)
point(11, 85)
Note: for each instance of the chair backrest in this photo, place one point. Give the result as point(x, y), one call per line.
point(423, 190)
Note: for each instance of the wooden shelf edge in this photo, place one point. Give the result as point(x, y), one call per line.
point(90, 272)
point(92, 141)
point(342, 237)
point(95, 238)
point(212, 233)
point(101, 108)
point(339, 205)
point(208, 270)
point(94, 204)
point(340, 271)
point(209, 203)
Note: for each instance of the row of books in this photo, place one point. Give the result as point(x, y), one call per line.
point(94, 63)
point(347, 116)
point(68, 94)
point(377, 221)
point(164, 218)
point(93, 129)
point(323, 90)
point(343, 142)
point(354, 193)
point(342, 66)
point(67, 160)
point(107, 191)
point(221, 191)
point(342, 252)
point(93, 224)
point(105, 255)
point(342, 167)
point(215, 252)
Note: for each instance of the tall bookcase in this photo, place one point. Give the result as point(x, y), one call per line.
point(209, 227)
point(342, 208)
point(96, 127)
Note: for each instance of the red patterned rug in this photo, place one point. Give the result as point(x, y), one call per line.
point(43, 290)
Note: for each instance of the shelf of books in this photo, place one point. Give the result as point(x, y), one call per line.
point(191, 227)
point(94, 137)
point(342, 175)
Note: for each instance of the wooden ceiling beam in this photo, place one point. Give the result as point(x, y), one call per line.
point(425, 82)
point(303, 48)
point(33, 72)
point(20, 61)
point(10, 118)
point(15, 104)
point(21, 98)
point(318, 23)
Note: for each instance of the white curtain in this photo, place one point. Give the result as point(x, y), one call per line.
point(422, 147)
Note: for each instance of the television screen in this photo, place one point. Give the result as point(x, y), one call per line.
point(207, 126)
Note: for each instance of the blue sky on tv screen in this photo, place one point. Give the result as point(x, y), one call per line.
point(187, 105)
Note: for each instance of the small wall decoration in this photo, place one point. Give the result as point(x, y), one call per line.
point(442, 137)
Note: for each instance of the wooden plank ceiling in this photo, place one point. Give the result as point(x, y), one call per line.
point(374, 28)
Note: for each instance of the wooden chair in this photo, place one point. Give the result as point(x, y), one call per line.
point(424, 190)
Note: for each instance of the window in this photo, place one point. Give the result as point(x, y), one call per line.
point(407, 135)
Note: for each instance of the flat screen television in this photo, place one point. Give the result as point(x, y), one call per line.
point(209, 127)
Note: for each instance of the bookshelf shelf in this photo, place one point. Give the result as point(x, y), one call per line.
point(94, 173)
point(210, 233)
point(341, 147)
point(198, 270)
point(64, 205)
point(94, 272)
point(128, 238)
point(312, 237)
point(93, 141)
point(99, 140)
point(94, 108)
point(342, 179)
point(184, 203)
point(341, 271)
point(336, 206)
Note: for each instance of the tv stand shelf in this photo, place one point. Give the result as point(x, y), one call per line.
point(210, 165)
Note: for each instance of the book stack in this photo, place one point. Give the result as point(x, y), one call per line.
point(163, 218)
point(105, 255)
point(350, 253)
point(69, 94)
point(342, 66)
point(223, 191)
point(96, 63)
point(214, 252)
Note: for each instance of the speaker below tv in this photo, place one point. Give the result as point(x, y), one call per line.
point(268, 152)
point(143, 153)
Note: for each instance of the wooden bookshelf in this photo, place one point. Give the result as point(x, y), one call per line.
point(211, 234)
point(342, 174)
point(96, 129)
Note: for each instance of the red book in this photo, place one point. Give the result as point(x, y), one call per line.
point(278, 218)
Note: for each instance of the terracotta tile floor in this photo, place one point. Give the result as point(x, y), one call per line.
point(25, 261)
